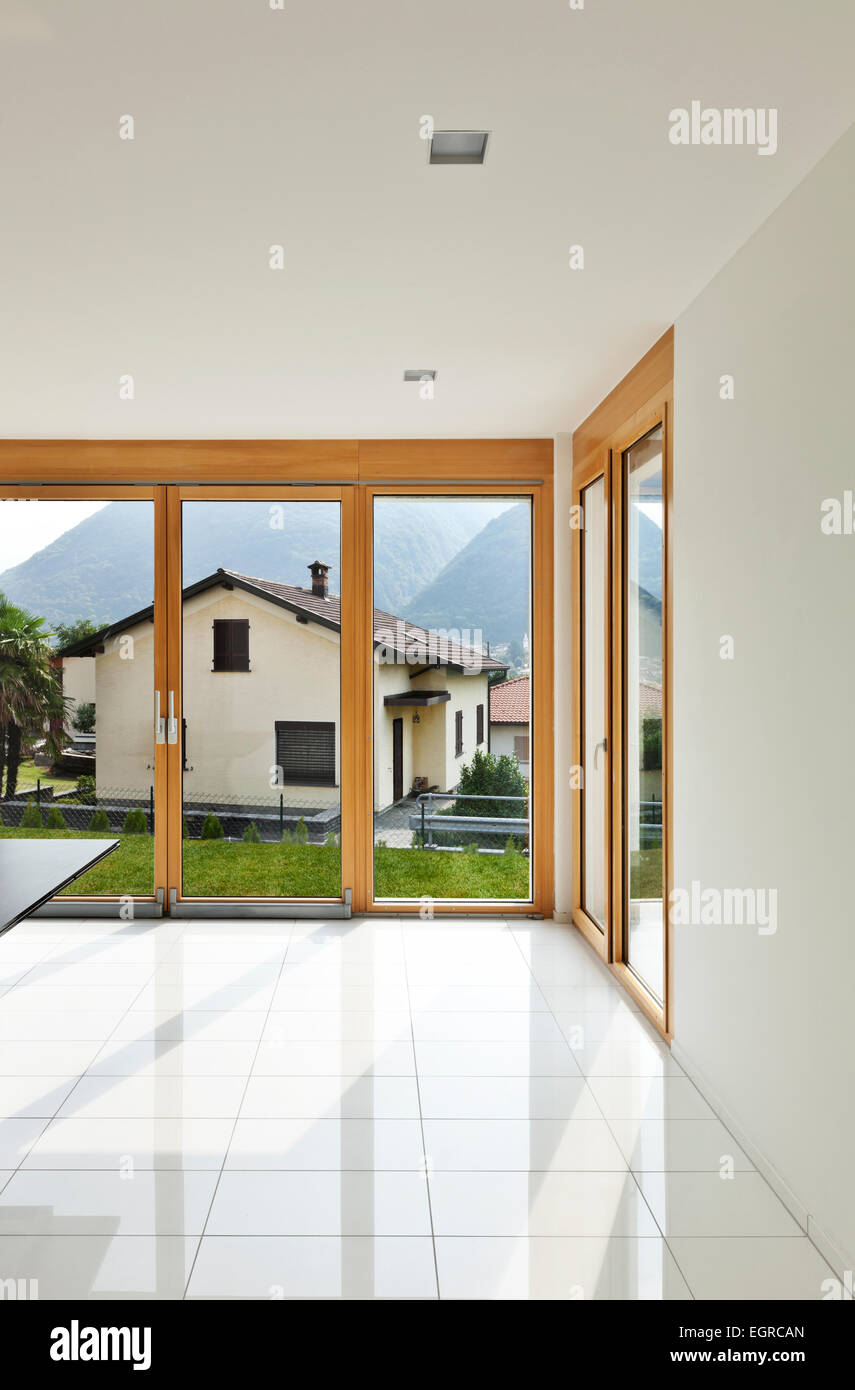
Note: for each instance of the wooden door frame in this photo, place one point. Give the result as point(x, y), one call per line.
point(640, 402)
point(354, 471)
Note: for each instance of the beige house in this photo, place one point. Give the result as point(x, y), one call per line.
point(262, 695)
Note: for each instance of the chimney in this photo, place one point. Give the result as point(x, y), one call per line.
point(320, 577)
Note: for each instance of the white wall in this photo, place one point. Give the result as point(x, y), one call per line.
point(764, 755)
point(503, 740)
point(78, 682)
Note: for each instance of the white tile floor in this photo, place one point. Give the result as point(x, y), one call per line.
point(374, 1109)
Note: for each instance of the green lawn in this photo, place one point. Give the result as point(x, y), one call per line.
point(645, 873)
point(219, 868)
point(28, 774)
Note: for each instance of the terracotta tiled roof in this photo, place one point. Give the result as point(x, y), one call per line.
point(416, 645)
point(510, 701)
point(649, 701)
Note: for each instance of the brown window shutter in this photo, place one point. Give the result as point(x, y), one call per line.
point(458, 733)
point(231, 644)
point(305, 751)
point(479, 724)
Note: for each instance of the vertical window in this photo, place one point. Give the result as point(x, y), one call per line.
point(521, 748)
point(643, 587)
point(458, 733)
point(594, 857)
point(231, 644)
point(479, 725)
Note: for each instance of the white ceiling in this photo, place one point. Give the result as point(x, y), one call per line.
point(301, 127)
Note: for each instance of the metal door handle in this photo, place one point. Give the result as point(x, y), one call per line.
point(172, 722)
point(604, 744)
point(159, 721)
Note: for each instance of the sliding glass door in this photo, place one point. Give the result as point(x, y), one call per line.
point(79, 648)
point(260, 698)
point(454, 664)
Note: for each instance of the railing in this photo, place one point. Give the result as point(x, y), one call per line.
point(431, 824)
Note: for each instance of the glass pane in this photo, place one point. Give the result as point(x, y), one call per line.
point(77, 682)
point(643, 586)
point(452, 698)
point(261, 699)
point(594, 765)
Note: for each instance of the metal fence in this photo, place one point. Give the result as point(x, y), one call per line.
point(455, 821)
point(131, 810)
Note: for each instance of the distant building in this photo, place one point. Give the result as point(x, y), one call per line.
point(510, 708)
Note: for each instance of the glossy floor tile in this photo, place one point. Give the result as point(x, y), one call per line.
point(318, 1204)
point(271, 1267)
point(389, 1109)
point(556, 1267)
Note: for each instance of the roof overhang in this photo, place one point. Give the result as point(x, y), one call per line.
point(418, 697)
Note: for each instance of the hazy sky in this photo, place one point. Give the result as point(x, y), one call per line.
point(28, 526)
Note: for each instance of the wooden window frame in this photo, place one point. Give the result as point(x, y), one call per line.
point(352, 472)
point(640, 402)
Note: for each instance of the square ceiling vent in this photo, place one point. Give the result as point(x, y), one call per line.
point(458, 147)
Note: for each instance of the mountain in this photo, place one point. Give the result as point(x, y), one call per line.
point(102, 568)
point(486, 585)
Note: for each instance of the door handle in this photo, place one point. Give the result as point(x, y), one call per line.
point(172, 722)
point(159, 721)
point(604, 744)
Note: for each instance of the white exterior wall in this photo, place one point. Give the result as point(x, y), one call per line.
point(124, 703)
point(502, 741)
point(231, 715)
point(78, 682)
point(428, 745)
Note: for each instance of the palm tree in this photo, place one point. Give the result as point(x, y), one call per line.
point(31, 698)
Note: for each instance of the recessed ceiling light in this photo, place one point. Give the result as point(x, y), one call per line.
point(420, 374)
point(458, 147)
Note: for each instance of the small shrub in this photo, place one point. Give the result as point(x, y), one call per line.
point(84, 718)
point(135, 823)
point(332, 840)
point(472, 847)
point(212, 829)
point(85, 789)
point(511, 849)
point(32, 817)
point(286, 838)
point(185, 829)
point(301, 833)
point(250, 835)
point(100, 820)
point(55, 819)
